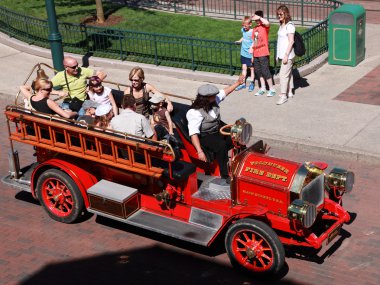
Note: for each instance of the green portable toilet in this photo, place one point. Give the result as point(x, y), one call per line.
point(346, 35)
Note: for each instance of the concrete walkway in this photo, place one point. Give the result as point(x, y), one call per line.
point(335, 110)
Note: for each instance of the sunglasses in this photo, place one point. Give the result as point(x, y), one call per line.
point(47, 89)
point(97, 85)
point(134, 80)
point(73, 67)
point(280, 14)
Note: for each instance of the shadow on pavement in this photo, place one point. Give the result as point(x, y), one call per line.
point(153, 265)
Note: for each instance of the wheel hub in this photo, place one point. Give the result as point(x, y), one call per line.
point(250, 253)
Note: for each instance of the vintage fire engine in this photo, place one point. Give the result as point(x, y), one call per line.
point(271, 202)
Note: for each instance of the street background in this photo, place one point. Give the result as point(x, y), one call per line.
point(334, 117)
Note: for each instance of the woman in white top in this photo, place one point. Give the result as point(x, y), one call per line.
point(285, 53)
point(101, 94)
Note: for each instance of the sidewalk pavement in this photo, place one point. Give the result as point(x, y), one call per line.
point(335, 110)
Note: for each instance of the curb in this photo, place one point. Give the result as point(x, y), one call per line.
point(168, 71)
point(273, 140)
point(288, 143)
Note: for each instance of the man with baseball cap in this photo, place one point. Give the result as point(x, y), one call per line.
point(204, 124)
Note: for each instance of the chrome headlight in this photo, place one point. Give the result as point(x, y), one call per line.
point(303, 212)
point(241, 131)
point(341, 179)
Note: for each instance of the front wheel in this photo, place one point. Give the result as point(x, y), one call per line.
point(254, 247)
point(60, 196)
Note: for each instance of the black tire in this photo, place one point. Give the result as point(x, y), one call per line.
point(254, 247)
point(60, 196)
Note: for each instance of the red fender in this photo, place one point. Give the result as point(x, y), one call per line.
point(81, 177)
point(254, 212)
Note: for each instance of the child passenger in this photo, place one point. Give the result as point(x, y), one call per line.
point(160, 121)
point(101, 94)
point(103, 116)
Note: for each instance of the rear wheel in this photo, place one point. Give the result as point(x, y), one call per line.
point(254, 247)
point(60, 196)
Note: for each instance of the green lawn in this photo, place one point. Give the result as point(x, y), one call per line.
point(197, 52)
point(142, 20)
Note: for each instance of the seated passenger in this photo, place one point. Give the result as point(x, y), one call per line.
point(89, 108)
point(160, 121)
point(101, 94)
point(140, 91)
point(128, 121)
point(204, 124)
point(103, 116)
point(40, 100)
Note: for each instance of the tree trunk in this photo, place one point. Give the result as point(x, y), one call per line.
point(99, 12)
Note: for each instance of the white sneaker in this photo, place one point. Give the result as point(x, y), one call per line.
point(271, 93)
point(282, 100)
point(290, 95)
point(260, 92)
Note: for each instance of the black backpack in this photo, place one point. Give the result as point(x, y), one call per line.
point(299, 46)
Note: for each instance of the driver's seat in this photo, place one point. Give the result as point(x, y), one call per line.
point(179, 119)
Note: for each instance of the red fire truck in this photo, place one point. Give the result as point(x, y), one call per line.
point(164, 188)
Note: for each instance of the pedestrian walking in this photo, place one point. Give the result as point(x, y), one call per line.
point(285, 53)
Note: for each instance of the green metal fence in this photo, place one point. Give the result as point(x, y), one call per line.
point(158, 49)
point(307, 13)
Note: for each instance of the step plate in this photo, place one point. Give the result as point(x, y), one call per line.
point(173, 228)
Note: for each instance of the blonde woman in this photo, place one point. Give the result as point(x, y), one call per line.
point(140, 90)
point(285, 53)
point(40, 100)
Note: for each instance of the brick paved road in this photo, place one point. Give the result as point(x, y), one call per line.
point(36, 250)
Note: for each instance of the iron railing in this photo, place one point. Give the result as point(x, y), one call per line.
point(307, 13)
point(159, 49)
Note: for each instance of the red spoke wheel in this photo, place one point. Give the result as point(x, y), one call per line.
point(59, 195)
point(254, 247)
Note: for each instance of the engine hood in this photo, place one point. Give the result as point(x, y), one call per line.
point(267, 170)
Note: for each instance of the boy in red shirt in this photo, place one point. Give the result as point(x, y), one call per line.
point(260, 49)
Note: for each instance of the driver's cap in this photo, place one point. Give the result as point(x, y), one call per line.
point(208, 90)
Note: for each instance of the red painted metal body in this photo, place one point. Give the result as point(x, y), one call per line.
point(263, 188)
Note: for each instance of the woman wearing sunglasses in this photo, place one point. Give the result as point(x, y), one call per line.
point(140, 90)
point(285, 53)
point(39, 100)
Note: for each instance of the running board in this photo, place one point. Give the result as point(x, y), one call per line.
point(22, 183)
point(186, 231)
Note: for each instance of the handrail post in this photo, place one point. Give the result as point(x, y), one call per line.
point(192, 55)
point(231, 69)
point(235, 9)
point(302, 14)
point(155, 50)
point(55, 37)
point(204, 7)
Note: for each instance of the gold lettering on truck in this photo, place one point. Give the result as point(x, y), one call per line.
point(268, 174)
point(269, 198)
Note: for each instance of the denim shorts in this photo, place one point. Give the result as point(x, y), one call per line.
point(247, 61)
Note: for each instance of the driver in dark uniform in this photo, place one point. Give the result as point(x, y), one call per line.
point(204, 124)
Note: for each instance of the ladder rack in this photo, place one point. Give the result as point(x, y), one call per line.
point(116, 149)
